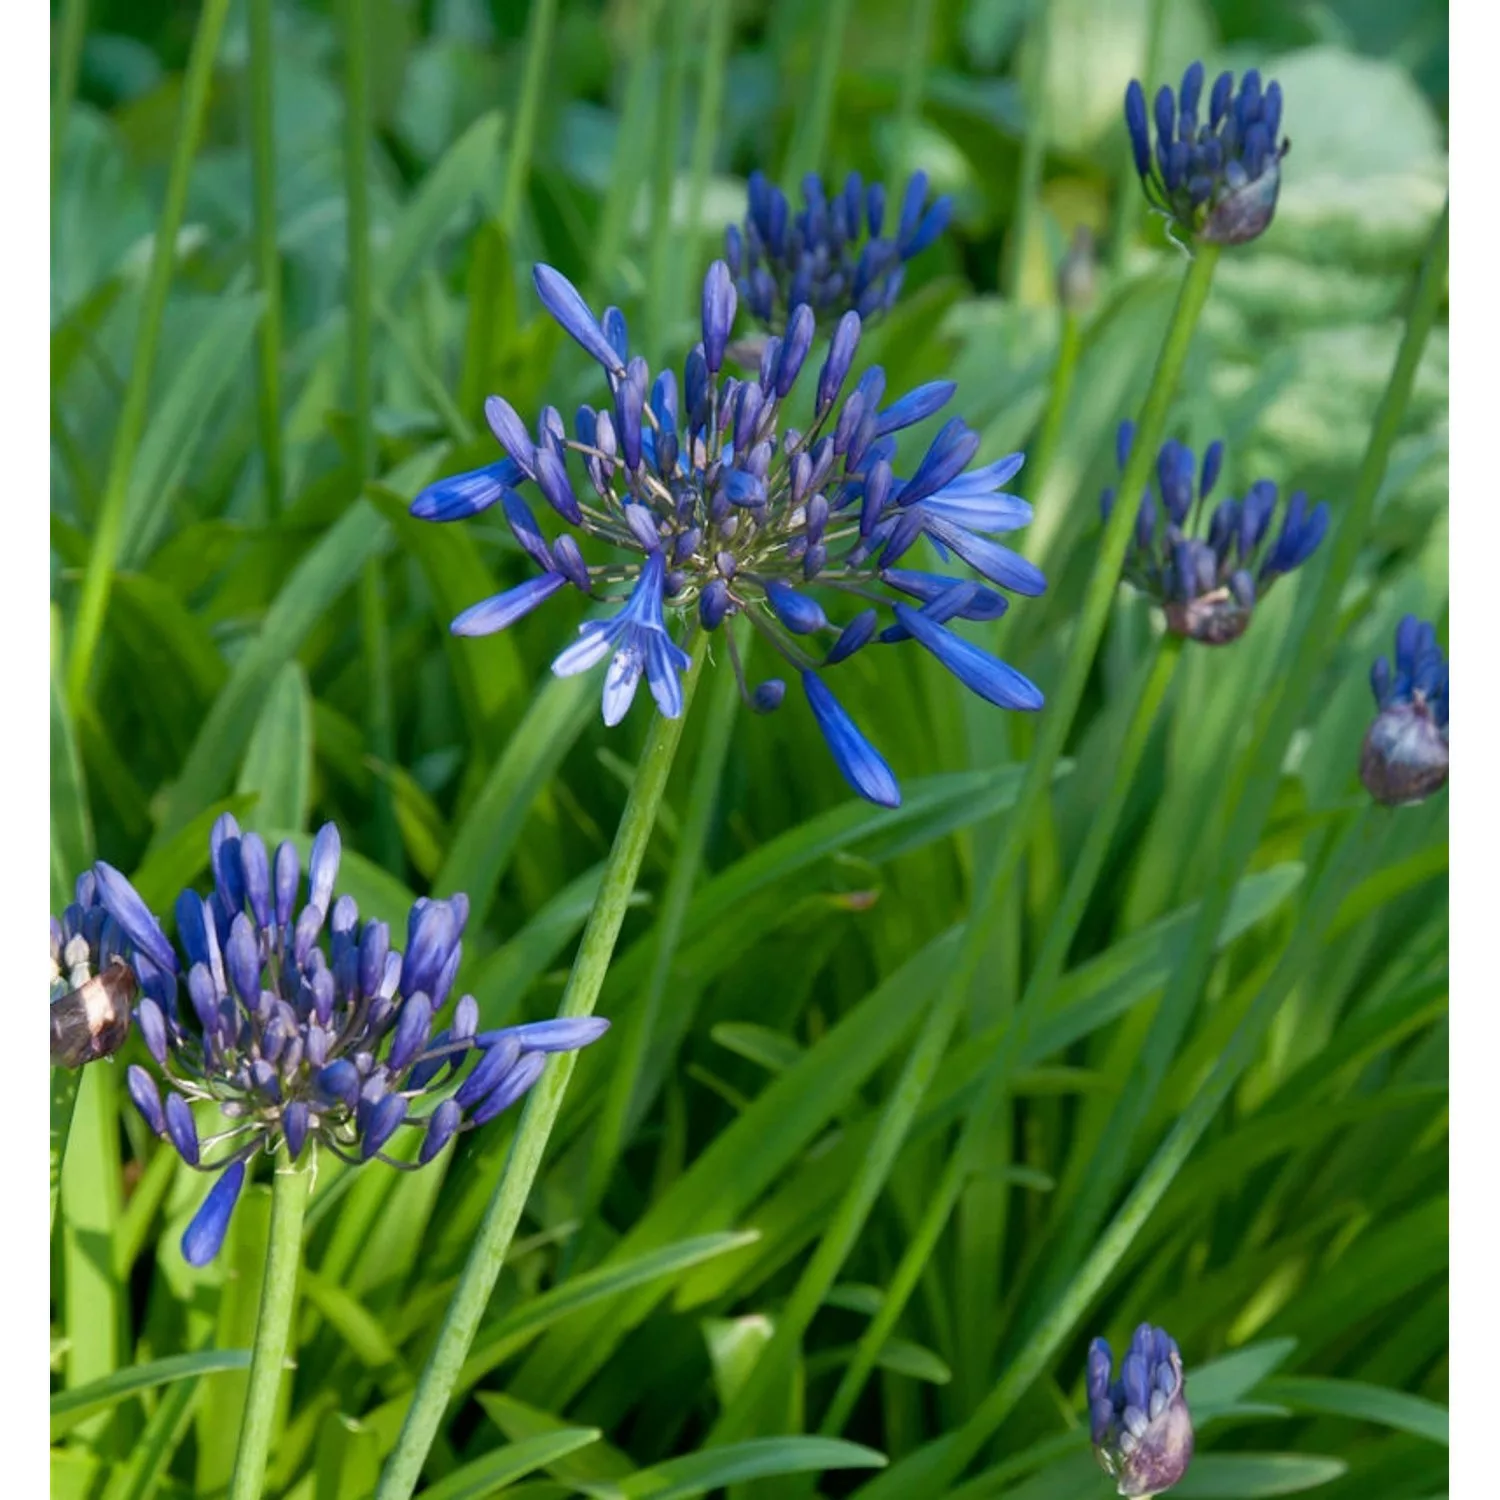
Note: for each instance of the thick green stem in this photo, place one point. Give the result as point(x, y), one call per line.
point(1033, 148)
point(990, 888)
point(98, 575)
point(633, 1045)
point(374, 625)
point(1252, 787)
point(487, 1256)
point(539, 26)
point(1128, 192)
point(75, 20)
point(267, 261)
point(278, 1294)
point(993, 1084)
point(810, 134)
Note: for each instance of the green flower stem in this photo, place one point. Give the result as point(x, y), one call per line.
point(1346, 867)
point(487, 1256)
point(993, 1083)
point(64, 1092)
point(771, 1369)
point(1252, 787)
point(290, 1187)
point(540, 23)
point(633, 1044)
point(267, 261)
point(1033, 148)
point(1128, 193)
point(914, 75)
point(374, 624)
point(810, 135)
point(93, 601)
point(75, 20)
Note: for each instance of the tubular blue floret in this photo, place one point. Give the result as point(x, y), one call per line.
point(718, 509)
point(1207, 567)
point(1216, 181)
point(1404, 757)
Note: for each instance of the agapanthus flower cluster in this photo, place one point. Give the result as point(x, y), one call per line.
point(93, 983)
point(832, 255)
point(1215, 180)
point(1208, 583)
point(305, 1027)
point(715, 506)
point(1140, 1425)
point(1404, 757)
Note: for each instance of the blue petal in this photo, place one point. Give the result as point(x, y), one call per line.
point(460, 496)
point(998, 564)
point(992, 512)
point(561, 298)
point(204, 1236)
point(915, 406)
point(563, 1034)
point(133, 917)
point(856, 757)
point(980, 672)
point(495, 613)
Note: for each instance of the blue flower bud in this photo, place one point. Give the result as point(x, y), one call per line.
point(766, 698)
point(339, 1082)
point(385, 1115)
point(713, 604)
point(181, 1129)
point(794, 350)
point(511, 1087)
point(796, 611)
point(561, 298)
point(441, 1125)
point(836, 365)
point(119, 898)
point(496, 1062)
point(323, 866)
point(1140, 1426)
point(204, 1237)
point(242, 959)
point(143, 1093)
point(718, 314)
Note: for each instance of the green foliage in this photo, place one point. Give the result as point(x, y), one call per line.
point(212, 648)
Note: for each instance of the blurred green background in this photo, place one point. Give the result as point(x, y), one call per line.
point(270, 636)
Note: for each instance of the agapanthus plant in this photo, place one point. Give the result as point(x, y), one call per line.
point(1208, 583)
point(714, 506)
point(1213, 180)
point(302, 1026)
point(1404, 757)
point(833, 255)
point(1139, 1423)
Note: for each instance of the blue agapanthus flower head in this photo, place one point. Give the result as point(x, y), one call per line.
point(1139, 1422)
point(1405, 753)
point(843, 251)
point(708, 504)
point(282, 1022)
point(1214, 172)
point(1208, 568)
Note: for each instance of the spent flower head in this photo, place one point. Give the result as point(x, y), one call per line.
point(93, 980)
point(1207, 570)
point(833, 254)
point(1139, 1423)
point(1213, 179)
point(1404, 757)
point(714, 506)
point(303, 1027)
